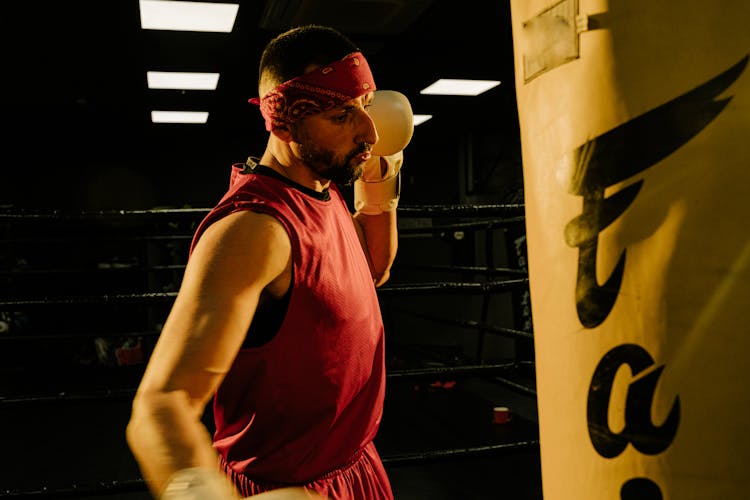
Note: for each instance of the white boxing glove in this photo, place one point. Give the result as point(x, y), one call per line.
point(379, 188)
point(391, 112)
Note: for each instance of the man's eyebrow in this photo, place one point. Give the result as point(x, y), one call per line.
point(349, 105)
point(343, 107)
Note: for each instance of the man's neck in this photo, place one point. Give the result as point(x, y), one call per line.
point(294, 169)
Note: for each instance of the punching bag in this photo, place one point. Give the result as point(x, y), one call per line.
point(635, 134)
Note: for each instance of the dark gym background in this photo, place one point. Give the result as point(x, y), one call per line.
point(75, 288)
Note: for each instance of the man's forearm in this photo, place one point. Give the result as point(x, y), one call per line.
point(379, 237)
point(166, 435)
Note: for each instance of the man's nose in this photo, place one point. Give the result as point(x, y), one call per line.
point(367, 131)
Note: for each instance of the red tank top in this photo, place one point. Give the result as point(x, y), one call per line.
point(308, 400)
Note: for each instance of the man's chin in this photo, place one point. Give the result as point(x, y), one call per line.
point(358, 172)
point(348, 177)
point(341, 178)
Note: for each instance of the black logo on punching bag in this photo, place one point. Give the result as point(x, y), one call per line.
point(596, 165)
point(640, 488)
point(639, 430)
point(617, 155)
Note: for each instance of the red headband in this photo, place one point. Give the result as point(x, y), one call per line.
point(320, 90)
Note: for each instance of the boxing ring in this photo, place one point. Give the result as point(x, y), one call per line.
point(85, 295)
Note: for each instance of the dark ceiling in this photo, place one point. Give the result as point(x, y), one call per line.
point(80, 105)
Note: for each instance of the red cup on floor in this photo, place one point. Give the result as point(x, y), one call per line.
point(500, 415)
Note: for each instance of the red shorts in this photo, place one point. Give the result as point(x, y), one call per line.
point(362, 478)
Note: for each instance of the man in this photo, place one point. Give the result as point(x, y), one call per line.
point(277, 317)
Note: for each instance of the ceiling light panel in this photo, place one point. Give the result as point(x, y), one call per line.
point(179, 116)
point(448, 86)
point(182, 81)
point(421, 119)
point(187, 16)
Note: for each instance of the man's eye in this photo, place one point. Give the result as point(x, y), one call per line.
point(340, 118)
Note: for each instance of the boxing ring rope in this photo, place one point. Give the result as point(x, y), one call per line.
point(500, 330)
point(488, 224)
point(73, 336)
point(128, 394)
point(139, 485)
point(496, 280)
point(65, 397)
point(459, 210)
point(107, 299)
point(498, 271)
point(180, 267)
point(178, 237)
point(163, 297)
point(26, 215)
point(452, 287)
point(81, 491)
point(123, 268)
point(468, 452)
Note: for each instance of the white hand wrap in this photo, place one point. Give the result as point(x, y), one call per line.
point(199, 483)
point(379, 188)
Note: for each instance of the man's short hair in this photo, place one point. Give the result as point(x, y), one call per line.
point(290, 53)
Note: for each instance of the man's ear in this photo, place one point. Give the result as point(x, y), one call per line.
point(283, 133)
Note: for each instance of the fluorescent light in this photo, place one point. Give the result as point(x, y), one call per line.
point(447, 86)
point(182, 81)
point(421, 119)
point(179, 116)
point(187, 16)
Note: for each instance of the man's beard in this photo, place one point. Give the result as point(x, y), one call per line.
point(324, 163)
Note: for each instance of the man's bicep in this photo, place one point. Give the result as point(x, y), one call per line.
point(235, 259)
